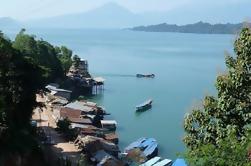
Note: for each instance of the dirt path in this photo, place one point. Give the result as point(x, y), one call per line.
point(60, 147)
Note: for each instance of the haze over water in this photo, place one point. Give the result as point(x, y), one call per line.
point(185, 65)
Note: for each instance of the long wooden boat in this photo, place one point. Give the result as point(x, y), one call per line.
point(144, 106)
point(147, 146)
point(165, 162)
point(145, 75)
point(151, 150)
point(151, 161)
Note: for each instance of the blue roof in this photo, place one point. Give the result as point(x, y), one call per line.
point(179, 162)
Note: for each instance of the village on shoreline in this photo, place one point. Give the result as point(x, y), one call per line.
point(76, 131)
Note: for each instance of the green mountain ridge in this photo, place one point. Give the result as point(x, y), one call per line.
point(199, 27)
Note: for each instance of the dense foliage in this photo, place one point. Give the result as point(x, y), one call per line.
point(17, 100)
point(26, 65)
point(65, 57)
point(208, 130)
point(55, 61)
point(63, 126)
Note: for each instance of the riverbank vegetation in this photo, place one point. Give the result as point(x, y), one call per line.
point(26, 65)
point(219, 133)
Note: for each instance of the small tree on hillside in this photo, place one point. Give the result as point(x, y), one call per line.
point(76, 61)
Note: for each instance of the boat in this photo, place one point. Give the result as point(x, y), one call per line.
point(151, 161)
point(145, 75)
point(147, 142)
point(151, 150)
point(165, 162)
point(135, 144)
point(147, 146)
point(144, 106)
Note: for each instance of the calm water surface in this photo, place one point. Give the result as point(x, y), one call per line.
point(185, 66)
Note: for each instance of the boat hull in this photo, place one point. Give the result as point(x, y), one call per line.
point(145, 75)
point(144, 107)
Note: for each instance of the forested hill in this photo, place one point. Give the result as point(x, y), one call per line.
point(199, 27)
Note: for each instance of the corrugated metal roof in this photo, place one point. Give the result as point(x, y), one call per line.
point(80, 120)
point(108, 122)
point(53, 88)
point(99, 79)
point(80, 106)
point(69, 113)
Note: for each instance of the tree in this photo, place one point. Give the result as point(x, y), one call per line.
point(65, 56)
point(42, 53)
point(231, 109)
point(76, 60)
point(17, 101)
point(64, 127)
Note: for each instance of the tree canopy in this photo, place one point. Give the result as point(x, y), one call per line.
point(55, 61)
point(230, 112)
point(26, 65)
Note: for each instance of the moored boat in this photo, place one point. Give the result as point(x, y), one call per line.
point(144, 106)
point(151, 150)
point(145, 75)
point(135, 144)
point(165, 162)
point(147, 146)
point(151, 161)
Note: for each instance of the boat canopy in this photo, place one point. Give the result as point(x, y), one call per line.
point(148, 142)
point(135, 144)
point(150, 149)
point(151, 161)
point(144, 104)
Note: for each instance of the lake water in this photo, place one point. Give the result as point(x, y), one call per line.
point(185, 66)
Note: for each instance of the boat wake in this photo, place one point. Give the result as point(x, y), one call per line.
point(118, 75)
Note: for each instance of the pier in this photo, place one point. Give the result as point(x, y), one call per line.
point(98, 85)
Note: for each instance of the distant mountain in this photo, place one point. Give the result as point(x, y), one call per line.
point(199, 27)
point(6, 22)
point(110, 15)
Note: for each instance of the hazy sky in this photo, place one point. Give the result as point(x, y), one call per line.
point(29, 9)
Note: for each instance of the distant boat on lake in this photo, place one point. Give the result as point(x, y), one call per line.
point(144, 106)
point(145, 75)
